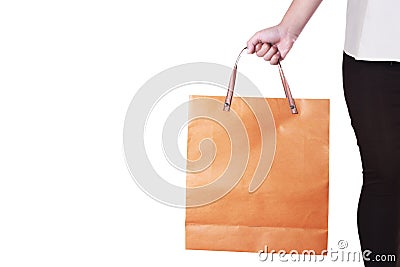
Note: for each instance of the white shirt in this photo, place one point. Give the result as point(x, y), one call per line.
point(373, 30)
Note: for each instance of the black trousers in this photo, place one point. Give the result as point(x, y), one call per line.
point(372, 94)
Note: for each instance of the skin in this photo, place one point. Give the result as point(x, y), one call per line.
point(274, 43)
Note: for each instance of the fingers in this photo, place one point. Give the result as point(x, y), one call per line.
point(262, 50)
point(275, 58)
point(258, 47)
point(268, 52)
point(252, 42)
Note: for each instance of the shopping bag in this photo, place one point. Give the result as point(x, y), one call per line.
point(257, 176)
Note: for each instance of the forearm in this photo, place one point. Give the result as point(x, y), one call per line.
point(298, 14)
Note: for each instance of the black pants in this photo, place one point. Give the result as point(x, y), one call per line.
point(372, 94)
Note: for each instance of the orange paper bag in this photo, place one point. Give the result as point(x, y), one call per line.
point(257, 176)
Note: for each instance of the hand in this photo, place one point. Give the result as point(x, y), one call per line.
point(273, 44)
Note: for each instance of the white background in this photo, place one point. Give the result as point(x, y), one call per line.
point(68, 71)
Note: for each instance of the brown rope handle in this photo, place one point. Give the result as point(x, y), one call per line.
point(231, 87)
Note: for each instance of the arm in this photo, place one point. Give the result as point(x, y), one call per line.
point(283, 35)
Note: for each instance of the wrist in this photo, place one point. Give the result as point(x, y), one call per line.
point(288, 32)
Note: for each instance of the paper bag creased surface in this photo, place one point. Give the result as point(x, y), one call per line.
point(289, 209)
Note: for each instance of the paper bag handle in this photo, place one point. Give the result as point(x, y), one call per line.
point(231, 87)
